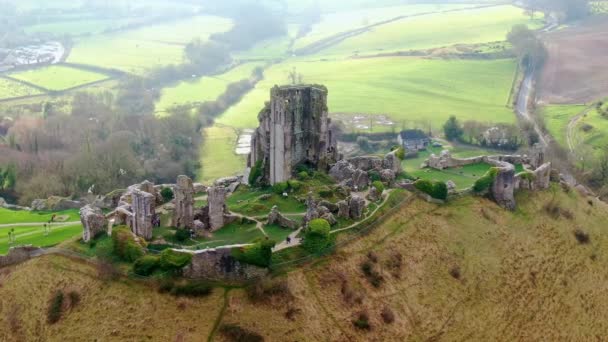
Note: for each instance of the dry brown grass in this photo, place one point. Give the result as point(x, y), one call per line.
point(523, 276)
point(106, 310)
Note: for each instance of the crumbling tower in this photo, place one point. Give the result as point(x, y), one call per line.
point(294, 128)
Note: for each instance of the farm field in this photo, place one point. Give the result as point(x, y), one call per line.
point(466, 27)
point(597, 135)
point(78, 27)
point(207, 88)
point(10, 89)
point(557, 117)
point(59, 77)
point(341, 21)
point(218, 157)
point(564, 79)
point(138, 50)
point(34, 235)
point(402, 88)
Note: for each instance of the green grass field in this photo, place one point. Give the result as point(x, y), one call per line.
point(137, 50)
point(231, 234)
point(202, 89)
point(59, 77)
point(406, 89)
point(246, 201)
point(10, 89)
point(434, 31)
point(218, 157)
point(21, 216)
point(34, 235)
point(597, 136)
point(557, 117)
point(337, 22)
point(77, 27)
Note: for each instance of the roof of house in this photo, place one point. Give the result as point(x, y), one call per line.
point(413, 134)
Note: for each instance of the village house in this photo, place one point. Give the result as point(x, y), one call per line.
point(413, 140)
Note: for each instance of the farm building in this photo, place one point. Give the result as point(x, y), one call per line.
point(413, 140)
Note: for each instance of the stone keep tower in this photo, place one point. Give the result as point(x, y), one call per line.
point(293, 129)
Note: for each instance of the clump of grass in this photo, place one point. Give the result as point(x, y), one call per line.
point(73, 299)
point(266, 290)
point(362, 321)
point(388, 316)
point(187, 289)
point(233, 332)
point(556, 211)
point(55, 309)
point(395, 264)
point(368, 267)
point(581, 237)
point(106, 271)
point(455, 272)
point(291, 313)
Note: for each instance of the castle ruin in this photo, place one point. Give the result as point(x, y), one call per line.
point(294, 129)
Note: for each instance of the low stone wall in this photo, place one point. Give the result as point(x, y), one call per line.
point(446, 161)
point(17, 255)
point(219, 264)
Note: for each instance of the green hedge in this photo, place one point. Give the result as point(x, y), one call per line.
point(374, 175)
point(317, 236)
point(484, 183)
point(295, 185)
point(167, 194)
point(256, 173)
point(400, 152)
point(527, 175)
point(280, 188)
point(435, 189)
point(379, 186)
point(258, 254)
point(145, 265)
point(172, 260)
point(124, 245)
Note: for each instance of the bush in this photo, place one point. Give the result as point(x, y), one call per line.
point(387, 315)
point(527, 176)
point(400, 152)
point(256, 173)
point(317, 236)
point(379, 186)
point(191, 289)
point(125, 246)
point(455, 272)
point(171, 260)
point(106, 271)
point(435, 189)
point(266, 289)
point(55, 308)
point(182, 235)
point(258, 254)
point(326, 192)
point(362, 322)
point(280, 188)
point(167, 194)
point(294, 185)
point(484, 183)
point(374, 175)
point(74, 299)
point(303, 175)
point(374, 278)
point(581, 237)
point(233, 332)
point(145, 265)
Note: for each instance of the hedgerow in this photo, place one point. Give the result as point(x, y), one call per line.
point(435, 189)
point(317, 236)
point(125, 245)
point(172, 260)
point(145, 265)
point(258, 254)
point(484, 183)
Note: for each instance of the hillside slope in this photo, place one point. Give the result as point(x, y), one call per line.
point(465, 271)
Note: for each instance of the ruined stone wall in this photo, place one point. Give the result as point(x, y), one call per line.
point(143, 209)
point(503, 187)
point(183, 215)
point(17, 255)
point(293, 128)
point(93, 222)
point(219, 264)
point(445, 160)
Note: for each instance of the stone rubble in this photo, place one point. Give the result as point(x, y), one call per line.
point(275, 217)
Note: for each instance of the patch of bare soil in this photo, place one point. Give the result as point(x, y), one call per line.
point(577, 68)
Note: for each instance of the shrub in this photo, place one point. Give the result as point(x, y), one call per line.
point(191, 289)
point(317, 236)
point(106, 271)
point(400, 152)
point(455, 272)
point(125, 246)
point(326, 192)
point(74, 299)
point(303, 175)
point(387, 315)
point(527, 176)
point(374, 175)
point(171, 260)
point(145, 265)
point(581, 237)
point(437, 190)
point(295, 185)
point(266, 289)
point(167, 194)
point(362, 321)
point(55, 308)
point(374, 278)
point(233, 332)
point(379, 186)
point(258, 254)
point(255, 173)
point(182, 235)
point(280, 188)
point(484, 183)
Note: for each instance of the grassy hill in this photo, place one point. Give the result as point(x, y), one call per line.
point(465, 271)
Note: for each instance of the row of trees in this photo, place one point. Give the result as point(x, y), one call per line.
point(500, 136)
point(528, 47)
point(569, 9)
